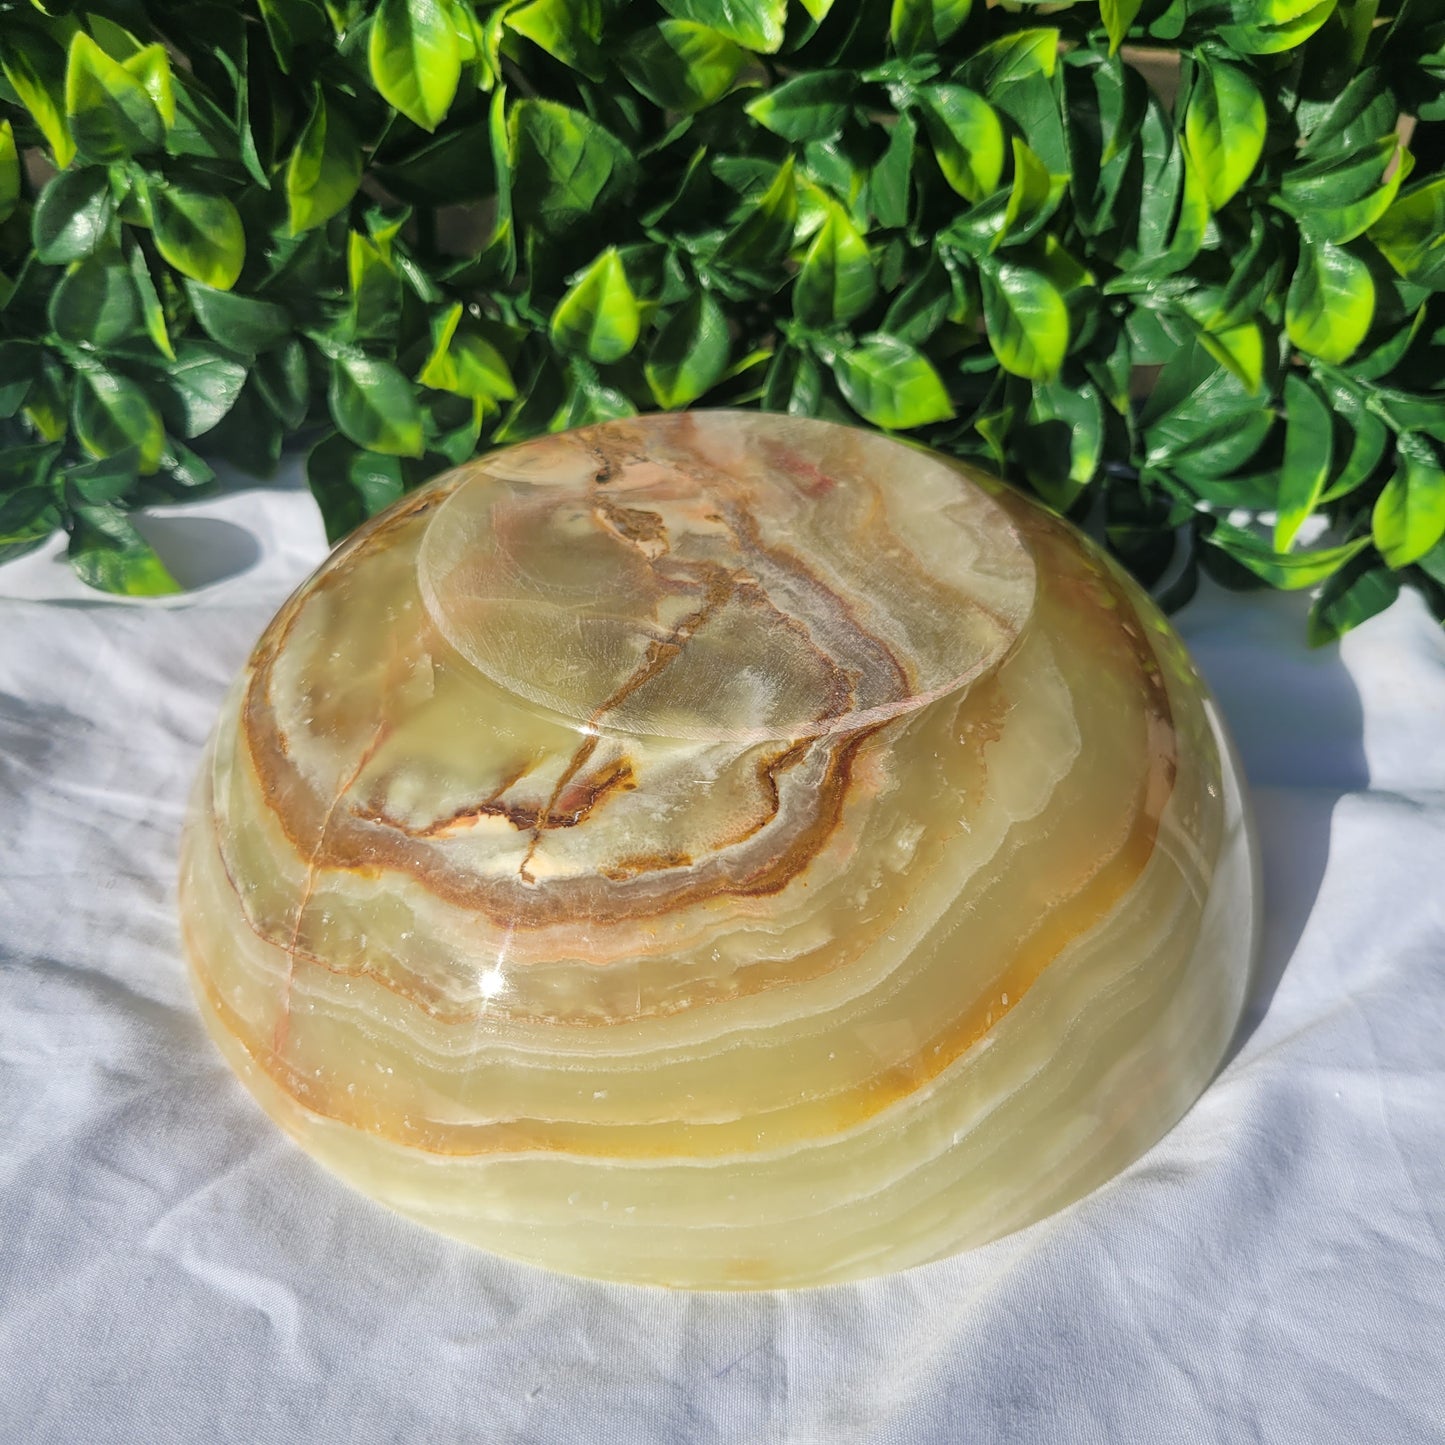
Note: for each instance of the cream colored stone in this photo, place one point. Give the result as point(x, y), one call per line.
point(720, 850)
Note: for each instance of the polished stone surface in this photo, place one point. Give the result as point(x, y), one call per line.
point(720, 850)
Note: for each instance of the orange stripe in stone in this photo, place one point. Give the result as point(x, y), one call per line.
point(1091, 594)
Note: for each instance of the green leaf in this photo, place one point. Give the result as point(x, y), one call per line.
point(1192, 385)
point(36, 72)
point(283, 380)
point(1111, 167)
point(1192, 223)
point(185, 470)
point(587, 401)
point(95, 304)
point(995, 426)
point(1411, 232)
point(292, 24)
point(1106, 105)
point(498, 258)
point(886, 191)
point(152, 67)
point(1361, 113)
point(47, 399)
point(1331, 302)
point(1224, 128)
point(1111, 368)
point(415, 59)
point(1255, 276)
point(324, 170)
point(374, 405)
point(199, 234)
point(375, 291)
point(9, 172)
point(1408, 411)
point(681, 65)
point(1409, 515)
point(1027, 318)
point(110, 413)
point(1289, 571)
point(1308, 443)
point(1357, 592)
point(978, 230)
point(1033, 198)
point(351, 484)
point(891, 384)
point(1273, 39)
point(1160, 170)
point(1432, 564)
point(384, 225)
point(27, 519)
point(481, 46)
point(1274, 12)
point(204, 383)
point(248, 436)
point(1355, 22)
point(1342, 224)
point(1118, 16)
point(1239, 348)
point(1062, 444)
point(755, 24)
point(21, 469)
point(812, 106)
point(566, 167)
point(599, 315)
point(967, 137)
point(464, 362)
point(106, 479)
point(540, 406)
point(202, 129)
point(111, 36)
point(183, 476)
point(917, 27)
point(1020, 55)
point(1341, 196)
point(244, 324)
point(1370, 437)
point(17, 371)
point(766, 232)
point(110, 114)
point(568, 30)
point(72, 215)
point(109, 554)
point(794, 383)
point(922, 306)
point(1336, 180)
point(690, 354)
point(1204, 448)
point(836, 283)
point(153, 314)
point(451, 425)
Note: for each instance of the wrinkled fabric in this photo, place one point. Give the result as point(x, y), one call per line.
point(173, 1269)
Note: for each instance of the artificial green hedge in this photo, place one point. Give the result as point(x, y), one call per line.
point(398, 232)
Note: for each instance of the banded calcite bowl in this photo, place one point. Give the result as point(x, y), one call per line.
point(720, 850)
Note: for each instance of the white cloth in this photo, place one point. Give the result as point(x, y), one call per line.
point(173, 1269)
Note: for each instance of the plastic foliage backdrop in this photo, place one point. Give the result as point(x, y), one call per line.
point(1203, 316)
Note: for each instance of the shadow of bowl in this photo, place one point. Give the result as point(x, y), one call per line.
point(1298, 723)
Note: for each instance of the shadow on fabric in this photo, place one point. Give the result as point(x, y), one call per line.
point(200, 550)
point(1298, 723)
